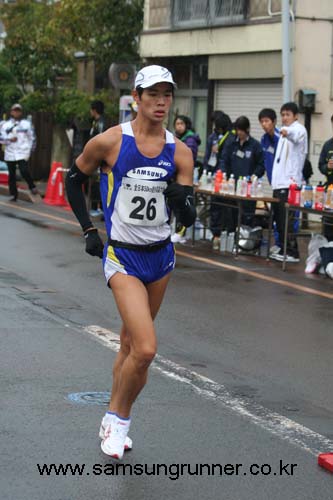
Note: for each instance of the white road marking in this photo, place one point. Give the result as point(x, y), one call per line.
point(282, 427)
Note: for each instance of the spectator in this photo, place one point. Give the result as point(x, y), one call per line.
point(269, 141)
point(18, 136)
point(288, 166)
point(218, 213)
point(223, 125)
point(326, 160)
point(98, 119)
point(243, 157)
point(210, 158)
point(326, 168)
point(186, 133)
point(97, 127)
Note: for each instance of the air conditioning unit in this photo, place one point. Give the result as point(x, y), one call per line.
point(122, 75)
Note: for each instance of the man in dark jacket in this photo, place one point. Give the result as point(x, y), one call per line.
point(243, 157)
point(219, 213)
point(98, 119)
point(326, 168)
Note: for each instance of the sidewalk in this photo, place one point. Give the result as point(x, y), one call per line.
point(24, 193)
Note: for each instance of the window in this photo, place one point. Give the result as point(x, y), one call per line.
point(190, 12)
point(193, 13)
point(229, 11)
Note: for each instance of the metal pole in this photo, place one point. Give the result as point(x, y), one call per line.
point(286, 67)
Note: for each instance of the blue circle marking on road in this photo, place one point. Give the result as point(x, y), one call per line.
point(90, 398)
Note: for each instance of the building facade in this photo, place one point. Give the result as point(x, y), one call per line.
point(227, 54)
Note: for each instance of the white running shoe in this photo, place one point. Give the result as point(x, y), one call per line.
point(107, 421)
point(280, 257)
point(115, 435)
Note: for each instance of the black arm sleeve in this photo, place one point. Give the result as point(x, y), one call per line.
point(74, 180)
point(188, 213)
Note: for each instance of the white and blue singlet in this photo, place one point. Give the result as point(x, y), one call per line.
point(135, 211)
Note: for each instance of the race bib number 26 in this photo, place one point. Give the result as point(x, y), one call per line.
point(142, 202)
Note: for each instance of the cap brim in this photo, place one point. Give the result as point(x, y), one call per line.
point(154, 82)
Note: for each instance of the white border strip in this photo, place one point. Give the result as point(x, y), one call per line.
point(278, 425)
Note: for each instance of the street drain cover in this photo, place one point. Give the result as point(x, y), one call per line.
point(90, 398)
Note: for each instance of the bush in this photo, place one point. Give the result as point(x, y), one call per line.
point(71, 104)
point(36, 101)
point(74, 105)
point(9, 93)
point(68, 105)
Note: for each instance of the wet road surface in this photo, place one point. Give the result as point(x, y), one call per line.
point(243, 375)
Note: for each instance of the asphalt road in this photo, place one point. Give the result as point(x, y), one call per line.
point(243, 375)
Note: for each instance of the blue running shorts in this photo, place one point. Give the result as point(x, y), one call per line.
point(147, 266)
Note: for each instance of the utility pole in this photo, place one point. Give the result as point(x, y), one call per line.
point(286, 55)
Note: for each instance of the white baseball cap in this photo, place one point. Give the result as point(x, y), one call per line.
point(150, 75)
point(16, 106)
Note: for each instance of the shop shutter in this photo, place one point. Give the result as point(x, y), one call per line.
point(247, 98)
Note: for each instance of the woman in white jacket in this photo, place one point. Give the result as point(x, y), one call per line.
point(287, 168)
point(17, 134)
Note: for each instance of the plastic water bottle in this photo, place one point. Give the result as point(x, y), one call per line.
point(248, 186)
point(203, 180)
point(209, 181)
point(292, 193)
point(244, 187)
point(213, 157)
point(218, 181)
point(224, 185)
point(319, 197)
point(223, 241)
point(231, 184)
point(239, 186)
point(329, 198)
point(308, 196)
point(303, 194)
point(230, 242)
point(260, 192)
point(254, 186)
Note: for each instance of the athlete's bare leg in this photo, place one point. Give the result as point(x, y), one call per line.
point(120, 358)
point(155, 300)
point(138, 305)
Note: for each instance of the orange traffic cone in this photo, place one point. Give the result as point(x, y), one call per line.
point(55, 194)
